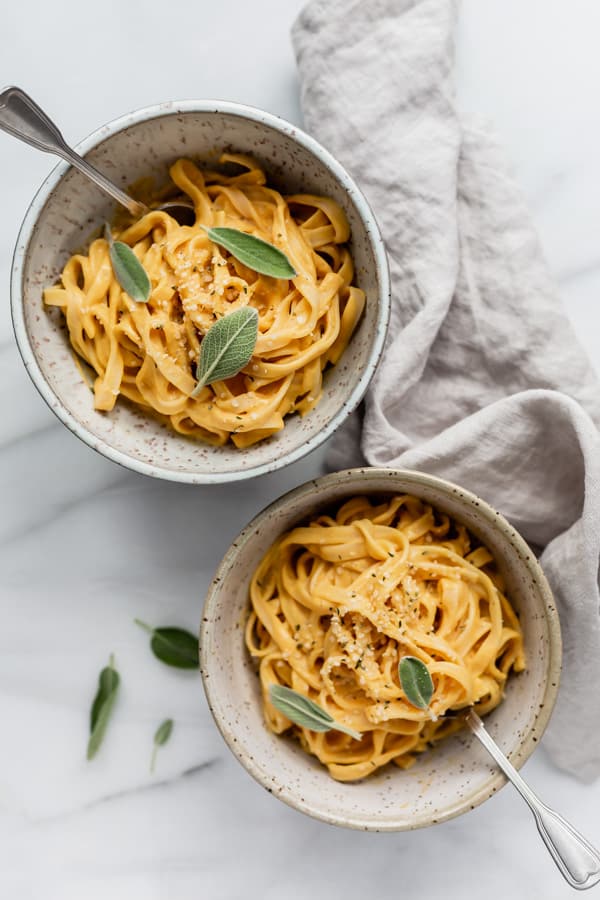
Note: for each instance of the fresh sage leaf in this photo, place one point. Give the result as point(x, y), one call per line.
point(253, 252)
point(173, 646)
point(416, 681)
point(161, 736)
point(227, 347)
point(163, 732)
point(108, 684)
point(128, 270)
point(305, 712)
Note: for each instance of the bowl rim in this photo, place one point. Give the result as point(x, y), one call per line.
point(362, 476)
point(163, 110)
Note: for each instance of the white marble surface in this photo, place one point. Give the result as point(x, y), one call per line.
point(85, 545)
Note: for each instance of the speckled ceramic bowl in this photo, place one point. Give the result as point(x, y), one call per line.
point(452, 778)
point(67, 210)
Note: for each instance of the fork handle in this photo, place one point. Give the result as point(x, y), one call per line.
point(577, 859)
point(21, 117)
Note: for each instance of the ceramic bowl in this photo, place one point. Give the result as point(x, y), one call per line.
point(68, 209)
point(452, 778)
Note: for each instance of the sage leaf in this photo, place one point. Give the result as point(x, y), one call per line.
point(305, 712)
point(253, 252)
point(128, 270)
point(108, 684)
point(416, 681)
point(161, 736)
point(227, 347)
point(173, 646)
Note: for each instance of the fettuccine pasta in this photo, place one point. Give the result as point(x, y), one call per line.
point(147, 352)
point(337, 603)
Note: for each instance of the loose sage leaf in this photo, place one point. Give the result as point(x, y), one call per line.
point(108, 684)
point(173, 646)
point(305, 712)
point(163, 732)
point(227, 347)
point(128, 270)
point(416, 681)
point(253, 252)
point(161, 736)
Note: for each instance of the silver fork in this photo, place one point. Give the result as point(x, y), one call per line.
point(21, 117)
point(578, 861)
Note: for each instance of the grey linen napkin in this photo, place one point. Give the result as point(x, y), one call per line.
point(482, 380)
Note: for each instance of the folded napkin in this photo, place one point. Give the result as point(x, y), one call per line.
point(482, 380)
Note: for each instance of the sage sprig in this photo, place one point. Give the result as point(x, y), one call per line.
point(227, 347)
point(128, 270)
point(161, 736)
point(253, 252)
point(173, 646)
point(305, 712)
point(416, 681)
point(108, 685)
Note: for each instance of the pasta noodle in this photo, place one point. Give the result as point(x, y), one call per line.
point(147, 352)
point(337, 603)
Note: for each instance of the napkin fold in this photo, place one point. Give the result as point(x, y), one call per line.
point(482, 380)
